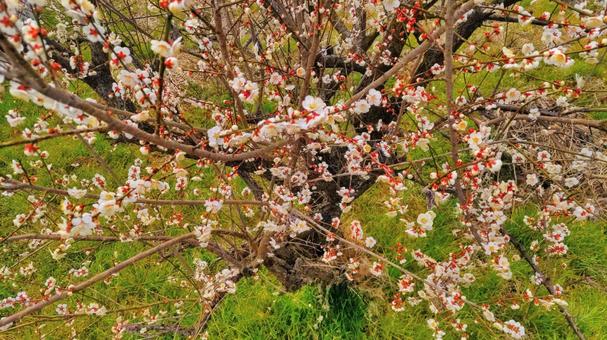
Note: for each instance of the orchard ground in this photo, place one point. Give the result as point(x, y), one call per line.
point(312, 312)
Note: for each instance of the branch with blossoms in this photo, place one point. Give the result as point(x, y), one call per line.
point(293, 111)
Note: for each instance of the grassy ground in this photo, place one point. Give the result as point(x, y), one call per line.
point(260, 308)
point(347, 313)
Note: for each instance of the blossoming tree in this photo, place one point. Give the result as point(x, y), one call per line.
point(295, 109)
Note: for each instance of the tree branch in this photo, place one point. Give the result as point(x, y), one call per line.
point(99, 277)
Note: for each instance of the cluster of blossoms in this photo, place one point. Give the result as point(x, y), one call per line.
point(212, 285)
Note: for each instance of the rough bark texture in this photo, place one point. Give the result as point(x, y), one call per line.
point(101, 81)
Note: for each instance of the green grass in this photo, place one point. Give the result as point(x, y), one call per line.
point(360, 313)
point(260, 309)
